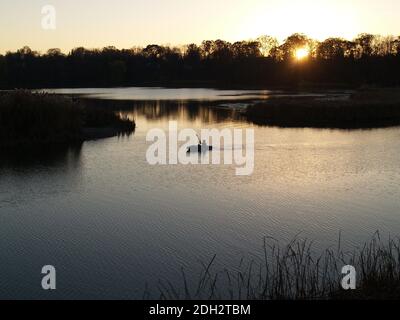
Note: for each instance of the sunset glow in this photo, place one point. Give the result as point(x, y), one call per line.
point(302, 53)
point(129, 23)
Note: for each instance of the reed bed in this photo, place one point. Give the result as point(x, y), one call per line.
point(364, 109)
point(295, 272)
point(41, 118)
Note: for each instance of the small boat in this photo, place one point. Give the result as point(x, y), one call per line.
point(200, 148)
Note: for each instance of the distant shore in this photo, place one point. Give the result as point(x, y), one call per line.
point(177, 84)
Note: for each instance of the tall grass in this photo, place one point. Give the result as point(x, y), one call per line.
point(31, 118)
point(27, 117)
point(295, 272)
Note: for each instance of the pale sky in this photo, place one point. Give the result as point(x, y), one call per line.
point(128, 23)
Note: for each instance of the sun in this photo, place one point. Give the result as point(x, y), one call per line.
point(301, 53)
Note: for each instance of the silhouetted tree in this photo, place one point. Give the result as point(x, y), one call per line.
point(365, 44)
point(369, 59)
point(333, 48)
point(3, 72)
point(287, 50)
point(267, 44)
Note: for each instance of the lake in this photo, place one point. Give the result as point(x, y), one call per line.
point(110, 223)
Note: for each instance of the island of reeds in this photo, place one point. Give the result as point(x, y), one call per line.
point(366, 108)
point(29, 118)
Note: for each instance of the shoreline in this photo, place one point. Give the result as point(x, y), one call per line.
point(205, 85)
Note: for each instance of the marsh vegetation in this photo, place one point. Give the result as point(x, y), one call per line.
point(40, 118)
point(295, 271)
point(366, 108)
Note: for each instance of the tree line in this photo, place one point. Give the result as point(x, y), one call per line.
point(368, 59)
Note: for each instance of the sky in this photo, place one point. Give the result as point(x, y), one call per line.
point(129, 23)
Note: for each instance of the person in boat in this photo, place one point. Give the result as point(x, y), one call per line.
point(201, 147)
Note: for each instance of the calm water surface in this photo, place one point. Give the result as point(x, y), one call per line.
point(111, 223)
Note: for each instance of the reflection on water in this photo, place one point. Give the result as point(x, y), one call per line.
point(109, 222)
point(43, 167)
point(150, 114)
point(188, 114)
point(65, 157)
point(164, 94)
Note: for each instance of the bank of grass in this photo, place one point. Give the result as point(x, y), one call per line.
point(28, 118)
point(295, 272)
point(366, 108)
